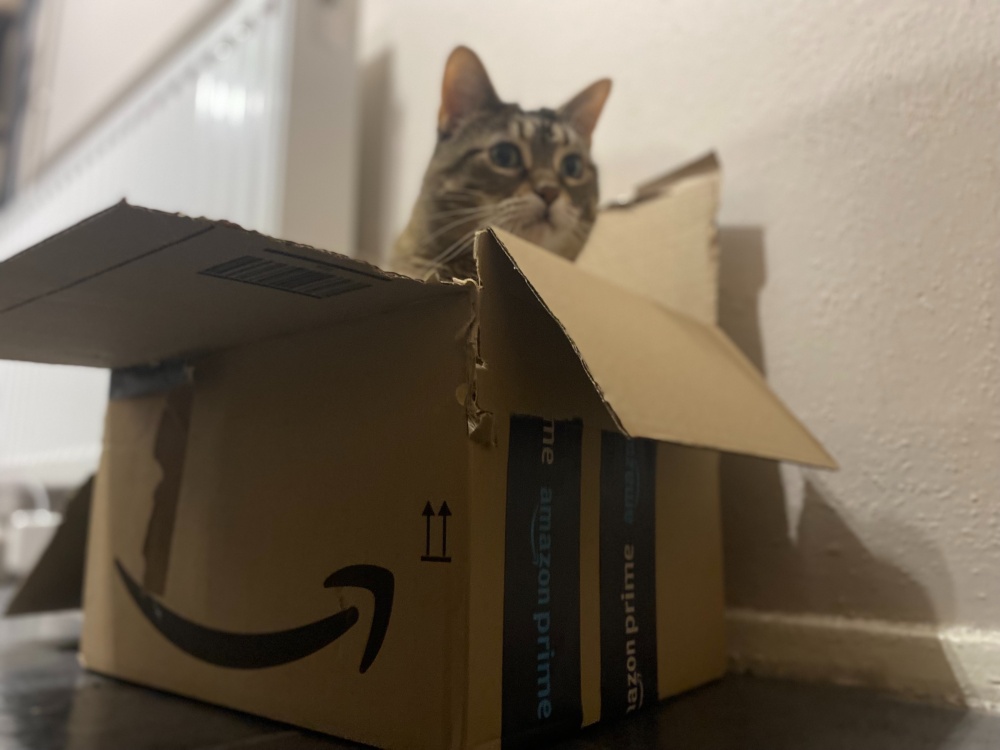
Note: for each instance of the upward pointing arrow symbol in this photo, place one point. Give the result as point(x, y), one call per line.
point(428, 514)
point(444, 513)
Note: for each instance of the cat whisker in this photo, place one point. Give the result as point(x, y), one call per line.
point(456, 248)
point(475, 217)
point(491, 214)
point(453, 250)
point(430, 268)
point(459, 195)
point(457, 212)
point(511, 207)
point(459, 191)
point(514, 204)
point(478, 213)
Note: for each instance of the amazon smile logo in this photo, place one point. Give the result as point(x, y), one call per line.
point(259, 650)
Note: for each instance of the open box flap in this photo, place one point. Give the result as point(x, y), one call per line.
point(706, 166)
point(702, 167)
point(661, 242)
point(662, 375)
point(133, 286)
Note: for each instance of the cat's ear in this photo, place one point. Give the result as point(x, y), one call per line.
point(466, 89)
point(583, 109)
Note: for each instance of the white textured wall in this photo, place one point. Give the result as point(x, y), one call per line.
point(861, 252)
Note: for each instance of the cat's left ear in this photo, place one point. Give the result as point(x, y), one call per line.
point(583, 109)
point(466, 89)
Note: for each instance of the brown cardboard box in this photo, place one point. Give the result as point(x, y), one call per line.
point(413, 515)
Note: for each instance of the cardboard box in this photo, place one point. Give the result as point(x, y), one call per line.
point(412, 515)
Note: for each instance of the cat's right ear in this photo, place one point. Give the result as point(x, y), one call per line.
point(466, 89)
point(583, 109)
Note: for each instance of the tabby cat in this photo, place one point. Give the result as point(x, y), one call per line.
point(495, 164)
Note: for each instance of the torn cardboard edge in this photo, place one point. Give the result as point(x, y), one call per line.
point(169, 452)
point(176, 379)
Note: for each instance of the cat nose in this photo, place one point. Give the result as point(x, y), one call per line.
point(547, 193)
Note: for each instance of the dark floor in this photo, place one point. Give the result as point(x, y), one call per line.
point(48, 703)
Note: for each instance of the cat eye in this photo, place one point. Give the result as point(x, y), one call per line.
point(572, 166)
point(506, 155)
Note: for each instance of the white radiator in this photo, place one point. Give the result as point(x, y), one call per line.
point(253, 122)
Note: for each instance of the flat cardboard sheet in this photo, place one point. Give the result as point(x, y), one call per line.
point(133, 286)
point(662, 244)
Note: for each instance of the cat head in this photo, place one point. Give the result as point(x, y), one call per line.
point(529, 172)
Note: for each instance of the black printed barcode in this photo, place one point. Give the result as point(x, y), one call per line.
point(287, 278)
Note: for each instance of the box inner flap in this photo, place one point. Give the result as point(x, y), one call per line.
point(663, 375)
point(663, 243)
point(132, 286)
point(704, 166)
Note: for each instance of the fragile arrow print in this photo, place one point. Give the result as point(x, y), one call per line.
point(428, 514)
point(444, 513)
point(259, 650)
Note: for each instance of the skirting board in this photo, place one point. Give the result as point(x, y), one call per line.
point(955, 665)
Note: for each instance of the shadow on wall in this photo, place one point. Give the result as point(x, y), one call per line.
point(816, 564)
point(379, 141)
